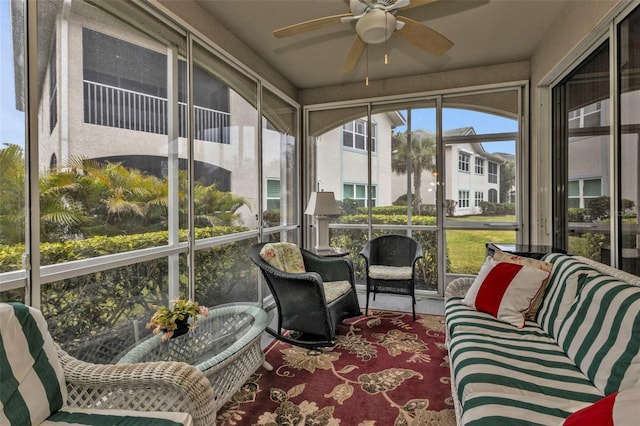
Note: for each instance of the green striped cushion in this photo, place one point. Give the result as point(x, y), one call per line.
point(518, 368)
point(561, 291)
point(96, 417)
point(32, 379)
point(600, 333)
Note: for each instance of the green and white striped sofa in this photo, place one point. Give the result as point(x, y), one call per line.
point(40, 384)
point(583, 346)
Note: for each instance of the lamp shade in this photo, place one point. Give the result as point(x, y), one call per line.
point(322, 204)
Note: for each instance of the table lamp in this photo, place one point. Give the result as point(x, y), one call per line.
point(322, 205)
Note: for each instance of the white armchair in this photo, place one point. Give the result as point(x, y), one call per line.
point(45, 384)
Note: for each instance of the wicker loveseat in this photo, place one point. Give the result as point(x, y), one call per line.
point(579, 353)
point(42, 384)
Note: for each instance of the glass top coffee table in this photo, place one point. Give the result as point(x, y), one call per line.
point(225, 346)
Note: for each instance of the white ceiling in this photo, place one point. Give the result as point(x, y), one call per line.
point(484, 32)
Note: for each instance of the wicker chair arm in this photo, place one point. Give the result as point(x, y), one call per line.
point(458, 287)
point(312, 277)
point(329, 269)
point(366, 252)
point(149, 386)
point(418, 255)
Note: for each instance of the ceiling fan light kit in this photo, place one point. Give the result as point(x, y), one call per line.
point(376, 26)
point(376, 22)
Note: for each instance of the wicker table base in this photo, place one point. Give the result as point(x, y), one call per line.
point(225, 347)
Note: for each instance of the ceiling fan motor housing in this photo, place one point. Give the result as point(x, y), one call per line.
point(376, 26)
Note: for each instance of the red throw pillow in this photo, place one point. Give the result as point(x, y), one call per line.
point(617, 409)
point(505, 290)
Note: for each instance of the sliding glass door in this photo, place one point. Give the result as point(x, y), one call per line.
point(444, 170)
point(596, 152)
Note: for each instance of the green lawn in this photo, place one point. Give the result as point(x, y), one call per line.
point(466, 248)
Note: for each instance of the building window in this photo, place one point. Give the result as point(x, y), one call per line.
point(463, 161)
point(479, 166)
point(493, 195)
point(358, 193)
point(53, 163)
point(479, 198)
point(580, 191)
point(463, 199)
point(493, 172)
point(273, 194)
point(586, 117)
point(354, 135)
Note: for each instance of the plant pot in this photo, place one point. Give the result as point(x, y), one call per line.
point(182, 327)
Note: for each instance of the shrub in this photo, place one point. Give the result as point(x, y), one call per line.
point(109, 302)
point(354, 240)
point(497, 209)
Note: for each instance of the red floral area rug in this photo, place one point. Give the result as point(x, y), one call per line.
point(385, 369)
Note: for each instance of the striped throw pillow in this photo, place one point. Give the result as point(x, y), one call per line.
point(505, 290)
point(617, 409)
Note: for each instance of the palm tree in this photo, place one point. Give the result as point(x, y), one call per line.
point(422, 157)
point(216, 208)
point(12, 219)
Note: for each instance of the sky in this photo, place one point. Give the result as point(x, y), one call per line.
point(453, 118)
point(11, 120)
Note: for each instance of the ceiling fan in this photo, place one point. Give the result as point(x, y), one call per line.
point(376, 21)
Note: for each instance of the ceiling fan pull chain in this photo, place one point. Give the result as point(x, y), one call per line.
point(386, 39)
point(366, 77)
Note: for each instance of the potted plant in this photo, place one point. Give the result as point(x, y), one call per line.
point(174, 322)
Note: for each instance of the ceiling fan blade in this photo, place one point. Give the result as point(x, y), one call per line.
point(417, 3)
point(399, 4)
point(354, 55)
point(311, 25)
point(423, 37)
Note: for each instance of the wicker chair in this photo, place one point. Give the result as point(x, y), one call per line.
point(153, 389)
point(390, 265)
point(311, 303)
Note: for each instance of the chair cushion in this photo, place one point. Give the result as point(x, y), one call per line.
point(335, 289)
point(384, 272)
point(88, 416)
point(283, 256)
point(33, 385)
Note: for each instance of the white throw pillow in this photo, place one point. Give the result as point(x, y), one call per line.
point(505, 290)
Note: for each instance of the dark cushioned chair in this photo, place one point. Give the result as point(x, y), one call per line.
point(311, 301)
point(390, 265)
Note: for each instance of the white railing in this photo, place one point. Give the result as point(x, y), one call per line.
point(111, 106)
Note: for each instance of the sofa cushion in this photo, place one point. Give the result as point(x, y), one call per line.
point(88, 416)
point(561, 291)
point(600, 332)
point(617, 409)
point(283, 256)
point(502, 371)
point(33, 383)
point(505, 290)
point(501, 256)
